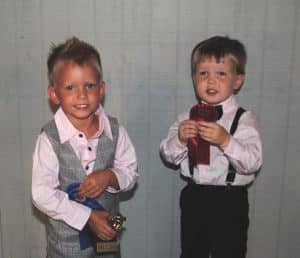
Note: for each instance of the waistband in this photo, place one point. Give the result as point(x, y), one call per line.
point(216, 188)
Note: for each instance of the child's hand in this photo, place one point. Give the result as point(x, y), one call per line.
point(187, 129)
point(98, 223)
point(214, 133)
point(96, 183)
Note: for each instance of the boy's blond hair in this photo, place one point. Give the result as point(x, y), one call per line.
point(73, 50)
point(220, 47)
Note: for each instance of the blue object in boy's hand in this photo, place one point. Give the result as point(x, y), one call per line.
point(72, 191)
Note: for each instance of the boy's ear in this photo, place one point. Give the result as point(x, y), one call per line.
point(239, 82)
point(194, 79)
point(52, 95)
point(102, 90)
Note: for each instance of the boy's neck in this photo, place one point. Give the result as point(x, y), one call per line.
point(220, 103)
point(89, 128)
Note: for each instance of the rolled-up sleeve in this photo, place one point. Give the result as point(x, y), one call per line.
point(45, 193)
point(245, 147)
point(125, 162)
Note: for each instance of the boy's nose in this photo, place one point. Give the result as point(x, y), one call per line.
point(82, 93)
point(211, 78)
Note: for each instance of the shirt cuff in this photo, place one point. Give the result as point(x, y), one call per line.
point(80, 217)
point(176, 145)
point(125, 180)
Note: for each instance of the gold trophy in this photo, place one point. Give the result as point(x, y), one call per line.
point(112, 246)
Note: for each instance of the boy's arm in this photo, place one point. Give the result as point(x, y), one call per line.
point(121, 177)
point(125, 166)
point(45, 193)
point(171, 148)
point(244, 149)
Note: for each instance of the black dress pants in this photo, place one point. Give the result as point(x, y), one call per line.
point(214, 221)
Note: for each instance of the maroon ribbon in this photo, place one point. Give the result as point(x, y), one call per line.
point(198, 148)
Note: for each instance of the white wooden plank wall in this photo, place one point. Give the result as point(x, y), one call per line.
point(145, 47)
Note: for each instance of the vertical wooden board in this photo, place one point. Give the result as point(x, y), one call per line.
point(192, 19)
point(108, 40)
point(288, 244)
point(12, 190)
point(273, 116)
point(30, 100)
point(82, 19)
point(134, 205)
point(288, 240)
point(222, 17)
point(162, 94)
point(1, 238)
point(268, 185)
point(164, 17)
point(250, 31)
point(135, 103)
point(163, 69)
point(55, 22)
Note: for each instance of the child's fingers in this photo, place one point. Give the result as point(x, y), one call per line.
point(85, 189)
point(206, 124)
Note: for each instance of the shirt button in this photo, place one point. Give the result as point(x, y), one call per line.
point(89, 148)
point(80, 135)
point(86, 167)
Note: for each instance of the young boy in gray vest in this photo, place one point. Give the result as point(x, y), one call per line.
point(214, 203)
point(84, 146)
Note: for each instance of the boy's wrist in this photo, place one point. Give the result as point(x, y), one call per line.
point(225, 143)
point(112, 179)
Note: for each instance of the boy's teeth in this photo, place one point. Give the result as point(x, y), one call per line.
point(211, 91)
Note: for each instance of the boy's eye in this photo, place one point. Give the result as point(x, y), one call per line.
point(221, 73)
point(69, 87)
point(90, 85)
point(203, 73)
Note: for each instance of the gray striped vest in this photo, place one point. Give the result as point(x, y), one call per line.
point(63, 241)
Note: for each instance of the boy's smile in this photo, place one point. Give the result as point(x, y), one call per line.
point(78, 92)
point(215, 81)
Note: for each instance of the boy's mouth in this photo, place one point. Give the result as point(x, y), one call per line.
point(211, 92)
point(81, 106)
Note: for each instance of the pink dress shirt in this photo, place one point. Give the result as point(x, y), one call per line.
point(45, 193)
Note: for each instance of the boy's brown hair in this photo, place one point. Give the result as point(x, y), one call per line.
point(219, 47)
point(73, 50)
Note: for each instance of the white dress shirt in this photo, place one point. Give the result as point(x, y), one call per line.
point(244, 150)
point(45, 182)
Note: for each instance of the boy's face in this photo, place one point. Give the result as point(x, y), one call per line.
point(77, 90)
point(215, 81)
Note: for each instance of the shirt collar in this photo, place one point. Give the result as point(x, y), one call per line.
point(66, 130)
point(229, 104)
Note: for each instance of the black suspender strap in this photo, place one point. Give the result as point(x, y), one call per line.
point(236, 119)
point(231, 171)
